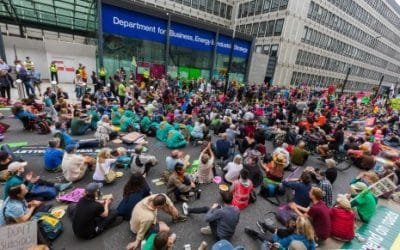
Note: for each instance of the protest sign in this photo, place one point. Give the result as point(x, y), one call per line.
point(19, 236)
point(73, 196)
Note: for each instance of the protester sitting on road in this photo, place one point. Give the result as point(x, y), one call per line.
point(331, 171)
point(104, 131)
point(282, 149)
point(175, 157)
point(144, 217)
point(104, 165)
point(142, 162)
point(199, 129)
point(179, 185)
point(300, 155)
point(73, 165)
point(319, 214)
point(53, 156)
point(300, 231)
point(206, 167)
point(334, 142)
point(343, 220)
point(160, 240)
point(301, 189)
point(15, 208)
point(363, 201)
point(241, 190)
point(134, 191)
point(222, 220)
point(6, 157)
point(233, 169)
point(325, 185)
point(222, 147)
point(274, 169)
point(80, 125)
point(267, 229)
point(92, 215)
point(17, 170)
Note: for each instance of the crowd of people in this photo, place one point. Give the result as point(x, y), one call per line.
point(232, 131)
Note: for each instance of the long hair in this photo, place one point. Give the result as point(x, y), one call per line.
point(105, 153)
point(304, 227)
point(134, 184)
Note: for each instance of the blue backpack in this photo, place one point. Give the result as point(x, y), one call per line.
point(45, 192)
point(50, 226)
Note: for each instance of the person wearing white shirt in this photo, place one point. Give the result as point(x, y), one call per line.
point(103, 165)
point(233, 169)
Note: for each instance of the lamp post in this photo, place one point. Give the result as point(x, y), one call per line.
point(345, 80)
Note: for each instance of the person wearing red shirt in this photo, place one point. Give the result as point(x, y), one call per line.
point(319, 214)
point(241, 190)
point(342, 220)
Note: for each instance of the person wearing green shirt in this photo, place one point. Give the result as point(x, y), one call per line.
point(145, 123)
point(299, 155)
point(79, 125)
point(103, 74)
point(94, 117)
point(121, 93)
point(115, 115)
point(53, 71)
point(127, 121)
point(160, 240)
point(363, 201)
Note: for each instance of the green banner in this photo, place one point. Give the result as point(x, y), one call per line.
point(382, 232)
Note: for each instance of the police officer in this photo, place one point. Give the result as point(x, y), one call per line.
point(102, 75)
point(53, 71)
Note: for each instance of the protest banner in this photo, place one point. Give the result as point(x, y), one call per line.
point(19, 236)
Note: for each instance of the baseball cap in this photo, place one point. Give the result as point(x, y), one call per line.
point(16, 165)
point(93, 187)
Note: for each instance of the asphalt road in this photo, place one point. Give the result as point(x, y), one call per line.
point(187, 232)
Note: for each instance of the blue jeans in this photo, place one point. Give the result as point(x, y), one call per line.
point(28, 87)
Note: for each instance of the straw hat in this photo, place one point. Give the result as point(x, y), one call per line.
point(279, 159)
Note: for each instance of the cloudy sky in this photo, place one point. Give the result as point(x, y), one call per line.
point(398, 1)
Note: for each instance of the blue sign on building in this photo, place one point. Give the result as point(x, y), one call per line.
point(133, 24)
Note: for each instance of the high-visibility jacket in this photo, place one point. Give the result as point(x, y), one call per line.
point(53, 68)
point(102, 72)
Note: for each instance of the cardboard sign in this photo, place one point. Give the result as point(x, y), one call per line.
point(383, 186)
point(73, 196)
point(382, 232)
point(18, 236)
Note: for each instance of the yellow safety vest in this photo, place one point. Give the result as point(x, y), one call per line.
point(102, 73)
point(53, 68)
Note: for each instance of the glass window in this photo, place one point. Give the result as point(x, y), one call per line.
point(217, 4)
point(223, 10)
point(248, 28)
point(202, 4)
point(245, 9)
point(270, 27)
point(261, 29)
point(267, 5)
point(210, 6)
point(255, 29)
point(229, 12)
point(259, 6)
point(195, 4)
point(259, 49)
point(274, 5)
point(284, 4)
point(274, 50)
point(252, 6)
point(187, 2)
point(266, 49)
point(278, 27)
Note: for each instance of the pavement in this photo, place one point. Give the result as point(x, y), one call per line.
point(187, 232)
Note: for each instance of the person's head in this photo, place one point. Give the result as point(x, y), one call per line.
point(304, 227)
point(224, 136)
point(105, 118)
point(358, 187)
point(134, 184)
point(204, 158)
point(301, 144)
point(5, 157)
point(17, 167)
point(175, 154)
point(92, 190)
point(244, 174)
point(77, 113)
point(138, 149)
point(343, 202)
point(291, 224)
point(305, 177)
point(164, 241)
point(159, 201)
point(54, 143)
point(316, 194)
point(179, 168)
point(105, 153)
point(18, 192)
point(237, 159)
point(297, 245)
point(330, 163)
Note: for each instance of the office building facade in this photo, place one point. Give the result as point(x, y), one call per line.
point(319, 41)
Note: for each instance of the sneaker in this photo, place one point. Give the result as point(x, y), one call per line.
point(183, 198)
point(253, 234)
point(185, 208)
point(206, 230)
point(262, 227)
point(179, 218)
point(63, 186)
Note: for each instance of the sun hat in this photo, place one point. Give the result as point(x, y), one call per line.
point(16, 165)
point(359, 186)
point(279, 159)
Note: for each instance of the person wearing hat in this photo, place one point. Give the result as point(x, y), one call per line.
point(274, 169)
point(17, 170)
point(363, 201)
point(92, 216)
point(73, 165)
point(343, 219)
point(142, 162)
point(53, 156)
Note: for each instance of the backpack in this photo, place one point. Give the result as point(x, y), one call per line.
point(284, 214)
point(45, 192)
point(43, 127)
point(49, 225)
point(123, 162)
